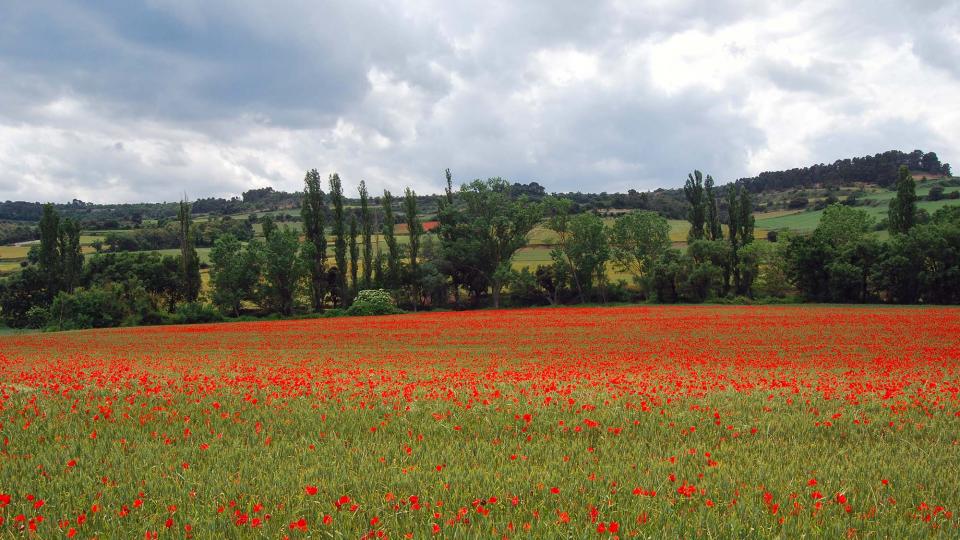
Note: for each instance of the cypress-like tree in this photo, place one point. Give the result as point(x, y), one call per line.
point(415, 230)
point(71, 257)
point(393, 251)
point(903, 207)
point(714, 231)
point(49, 260)
point(268, 226)
point(366, 228)
point(189, 262)
point(693, 191)
point(449, 190)
point(315, 249)
point(354, 253)
point(746, 220)
point(735, 215)
point(340, 237)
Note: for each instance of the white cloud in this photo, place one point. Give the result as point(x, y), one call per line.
point(143, 103)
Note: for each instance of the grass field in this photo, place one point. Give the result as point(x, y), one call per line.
point(654, 422)
point(808, 220)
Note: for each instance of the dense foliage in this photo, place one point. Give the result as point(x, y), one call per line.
point(470, 251)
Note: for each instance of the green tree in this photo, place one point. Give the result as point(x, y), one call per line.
point(448, 231)
point(668, 274)
point(740, 212)
point(354, 254)
point(587, 251)
point(366, 228)
point(278, 257)
point(498, 225)
point(234, 274)
point(49, 256)
point(392, 277)
point(189, 261)
point(269, 226)
point(903, 207)
point(710, 259)
point(637, 239)
point(71, 257)
point(415, 230)
point(340, 240)
point(315, 249)
point(693, 191)
point(558, 212)
point(712, 211)
point(840, 225)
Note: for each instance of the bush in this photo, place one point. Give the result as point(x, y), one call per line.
point(88, 308)
point(195, 312)
point(373, 302)
point(37, 317)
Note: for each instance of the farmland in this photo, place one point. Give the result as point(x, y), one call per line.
point(557, 423)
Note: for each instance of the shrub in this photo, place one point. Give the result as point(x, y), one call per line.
point(373, 302)
point(37, 317)
point(195, 312)
point(88, 308)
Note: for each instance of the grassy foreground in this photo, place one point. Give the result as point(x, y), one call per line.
point(643, 422)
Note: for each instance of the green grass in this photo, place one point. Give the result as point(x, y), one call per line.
point(808, 220)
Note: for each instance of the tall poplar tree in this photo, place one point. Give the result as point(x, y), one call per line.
point(189, 262)
point(315, 248)
point(393, 250)
point(712, 211)
point(903, 207)
point(693, 191)
point(71, 257)
point(49, 260)
point(366, 228)
point(415, 230)
point(340, 237)
point(354, 254)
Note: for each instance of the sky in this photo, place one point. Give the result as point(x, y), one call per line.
point(127, 101)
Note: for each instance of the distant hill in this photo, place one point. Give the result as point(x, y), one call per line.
point(879, 169)
point(17, 217)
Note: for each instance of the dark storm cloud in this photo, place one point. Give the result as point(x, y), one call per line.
point(118, 100)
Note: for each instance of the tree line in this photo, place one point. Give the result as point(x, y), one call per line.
point(465, 258)
point(881, 169)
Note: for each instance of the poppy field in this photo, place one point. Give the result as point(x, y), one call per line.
point(620, 422)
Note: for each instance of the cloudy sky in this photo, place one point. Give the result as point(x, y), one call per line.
point(117, 101)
